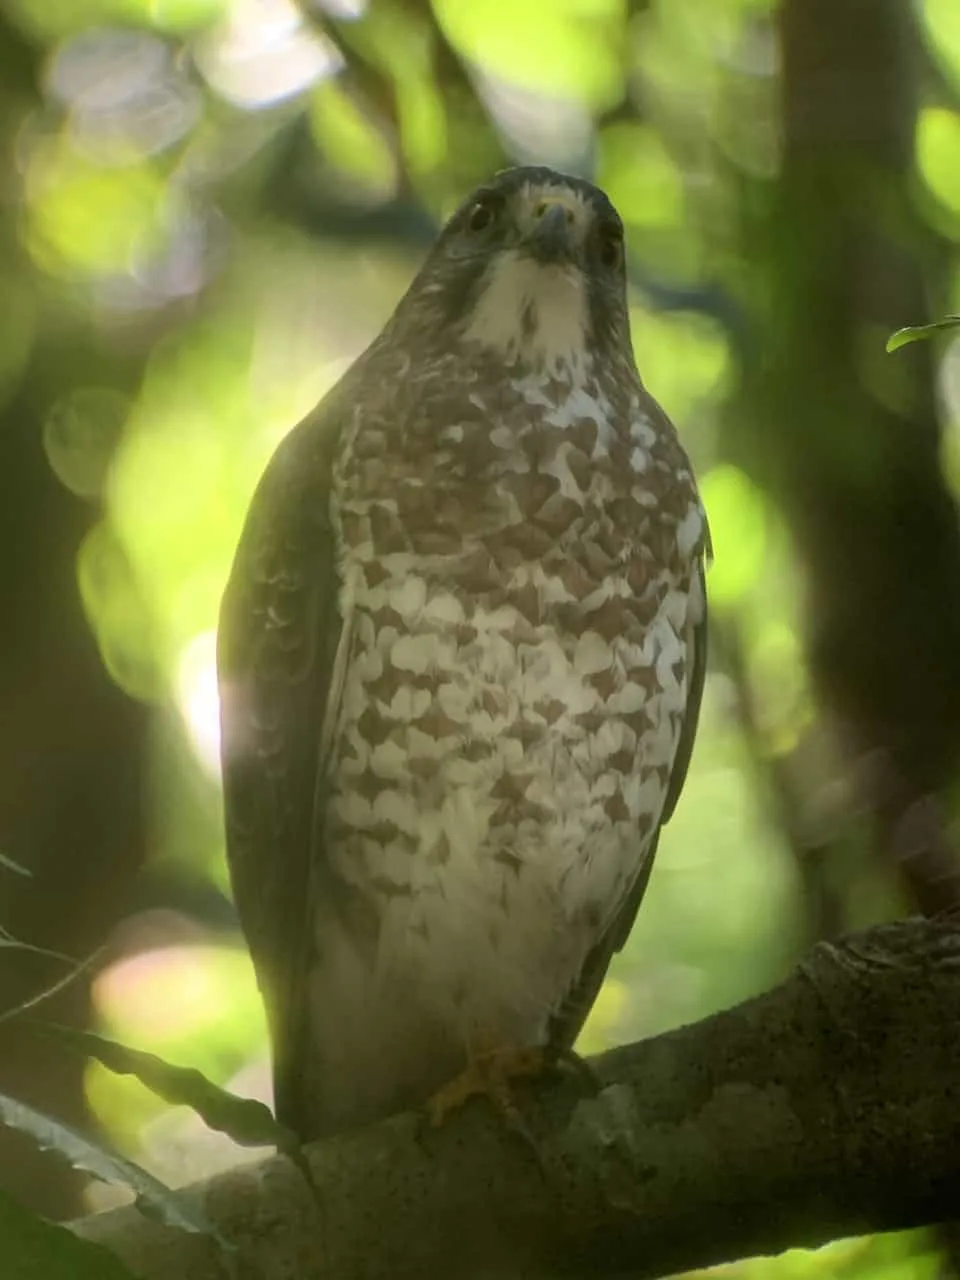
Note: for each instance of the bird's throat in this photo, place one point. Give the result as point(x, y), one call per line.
point(535, 314)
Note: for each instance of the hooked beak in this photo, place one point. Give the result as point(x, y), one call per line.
point(551, 239)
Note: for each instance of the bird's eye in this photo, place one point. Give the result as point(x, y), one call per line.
point(611, 244)
point(482, 215)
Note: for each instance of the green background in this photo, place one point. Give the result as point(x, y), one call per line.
point(206, 210)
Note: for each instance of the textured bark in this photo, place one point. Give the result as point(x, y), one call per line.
point(825, 1108)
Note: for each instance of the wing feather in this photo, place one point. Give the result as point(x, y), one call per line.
point(279, 630)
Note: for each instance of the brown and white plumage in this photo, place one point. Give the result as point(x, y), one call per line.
point(461, 656)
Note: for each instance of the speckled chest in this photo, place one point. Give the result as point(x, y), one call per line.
point(516, 560)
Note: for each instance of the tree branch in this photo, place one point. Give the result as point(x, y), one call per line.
point(824, 1108)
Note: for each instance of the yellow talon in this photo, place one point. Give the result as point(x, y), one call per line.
point(488, 1075)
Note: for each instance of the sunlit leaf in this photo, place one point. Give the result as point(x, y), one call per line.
point(91, 1157)
point(248, 1122)
point(34, 1249)
point(902, 1255)
point(914, 333)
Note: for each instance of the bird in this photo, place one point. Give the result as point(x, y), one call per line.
point(461, 653)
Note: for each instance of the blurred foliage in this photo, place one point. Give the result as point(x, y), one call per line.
point(39, 1250)
point(79, 1151)
point(231, 194)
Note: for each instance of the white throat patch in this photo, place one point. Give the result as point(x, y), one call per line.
point(532, 309)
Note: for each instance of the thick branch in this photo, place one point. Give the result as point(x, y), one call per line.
point(822, 1109)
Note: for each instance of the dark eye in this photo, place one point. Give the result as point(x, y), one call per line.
point(611, 244)
point(482, 215)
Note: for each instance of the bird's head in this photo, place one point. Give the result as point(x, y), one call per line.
point(531, 267)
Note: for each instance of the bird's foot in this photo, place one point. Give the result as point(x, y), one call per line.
point(576, 1066)
point(489, 1075)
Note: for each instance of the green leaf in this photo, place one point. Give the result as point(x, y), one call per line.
point(153, 1198)
point(34, 1249)
point(913, 333)
point(248, 1122)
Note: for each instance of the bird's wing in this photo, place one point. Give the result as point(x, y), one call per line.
point(697, 649)
point(571, 1016)
point(280, 629)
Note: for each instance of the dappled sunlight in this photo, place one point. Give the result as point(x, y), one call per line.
point(264, 52)
point(198, 699)
point(213, 206)
point(195, 1004)
point(576, 43)
point(164, 998)
point(685, 361)
point(123, 94)
point(938, 139)
point(213, 406)
point(739, 516)
point(600, 1031)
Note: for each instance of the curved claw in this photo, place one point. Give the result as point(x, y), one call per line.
point(488, 1075)
point(579, 1068)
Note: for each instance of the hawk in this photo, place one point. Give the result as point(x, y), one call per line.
point(461, 654)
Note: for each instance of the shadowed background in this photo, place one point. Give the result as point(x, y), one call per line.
point(207, 207)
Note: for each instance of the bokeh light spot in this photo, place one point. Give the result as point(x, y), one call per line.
point(739, 528)
point(198, 699)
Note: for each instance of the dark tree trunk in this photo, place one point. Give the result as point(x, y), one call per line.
point(72, 749)
point(72, 745)
point(844, 435)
